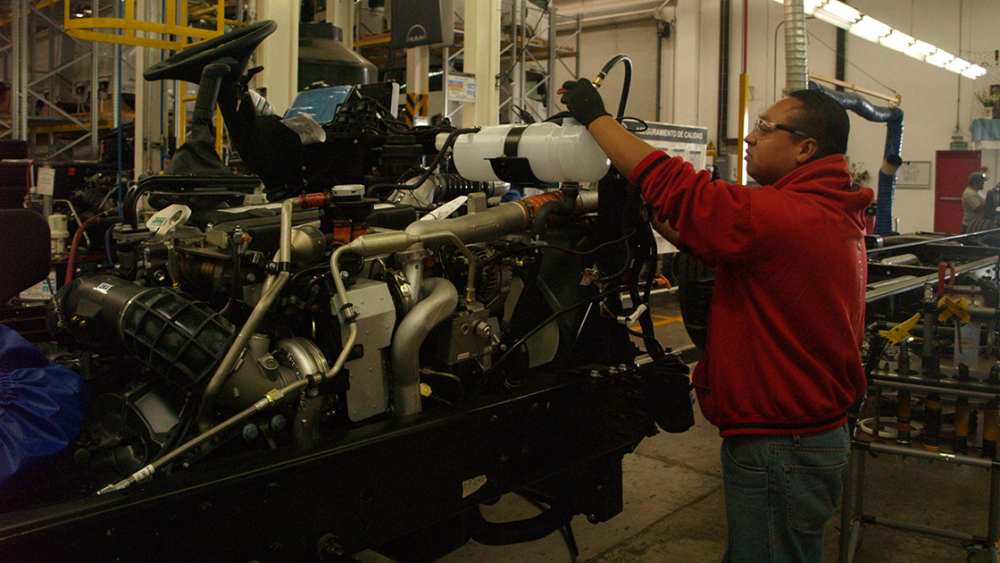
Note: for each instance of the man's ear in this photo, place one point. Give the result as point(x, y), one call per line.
point(807, 150)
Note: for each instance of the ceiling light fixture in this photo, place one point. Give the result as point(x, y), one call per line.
point(866, 27)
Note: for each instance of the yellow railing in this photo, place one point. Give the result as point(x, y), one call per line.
point(124, 30)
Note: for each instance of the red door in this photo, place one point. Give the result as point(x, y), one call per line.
point(951, 177)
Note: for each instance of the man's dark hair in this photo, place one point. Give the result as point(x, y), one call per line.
point(824, 119)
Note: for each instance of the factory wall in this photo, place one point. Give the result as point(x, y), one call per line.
point(934, 100)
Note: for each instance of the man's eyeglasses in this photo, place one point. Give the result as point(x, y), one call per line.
point(763, 128)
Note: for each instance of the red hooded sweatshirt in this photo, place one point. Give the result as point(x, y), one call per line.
point(783, 353)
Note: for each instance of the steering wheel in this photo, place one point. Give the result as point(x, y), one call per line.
point(233, 49)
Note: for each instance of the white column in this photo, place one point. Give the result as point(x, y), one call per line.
point(279, 53)
point(341, 14)
point(687, 75)
point(482, 58)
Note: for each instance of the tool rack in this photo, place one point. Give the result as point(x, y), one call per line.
point(978, 389)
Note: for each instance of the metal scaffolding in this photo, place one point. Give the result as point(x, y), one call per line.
point(45, 45)
point(533, 50)
point(36, 80)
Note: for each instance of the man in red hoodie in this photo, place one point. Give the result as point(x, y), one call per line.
point(783, 357)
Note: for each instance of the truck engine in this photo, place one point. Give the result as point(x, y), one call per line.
point(323, 373)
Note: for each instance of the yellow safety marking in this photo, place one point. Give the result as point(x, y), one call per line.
point(416, 104)
point(900, 331)
point(666, 320)
point(952, 307)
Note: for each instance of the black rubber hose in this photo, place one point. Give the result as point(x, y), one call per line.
point(520, 531)
point(563, 208)
point(625, 86)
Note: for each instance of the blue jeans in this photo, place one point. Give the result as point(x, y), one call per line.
point(780, 492)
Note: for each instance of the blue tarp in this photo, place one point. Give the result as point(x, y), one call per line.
point(42, 404)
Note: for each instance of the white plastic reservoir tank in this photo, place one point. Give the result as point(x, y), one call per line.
point(555, 153)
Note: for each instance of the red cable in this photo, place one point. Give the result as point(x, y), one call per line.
point(71, 261)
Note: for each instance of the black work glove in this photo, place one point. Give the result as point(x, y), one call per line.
point(583, 101)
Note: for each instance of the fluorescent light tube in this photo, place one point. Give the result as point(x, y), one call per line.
point(831, 19)
point(870, 29)
point(919, 50)
point(810, 5)
point(974, 72)
point(860, 25)
point(897, 41)
point(842, 11)
point(958, 65)
point(940, 58)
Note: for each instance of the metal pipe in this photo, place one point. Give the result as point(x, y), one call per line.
point(848, 505)
point(925, 454)
point(919, 528)
point(993, 532)
point(725, 8)
point(438, 305)
point(550, 98)
point(269, 400)
point(796, 56)
point(236, 350)
point(272, 288)
point(968, 389)
point(505, 219)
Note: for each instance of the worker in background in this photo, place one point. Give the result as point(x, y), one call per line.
point(973, 202)
point(782, 363)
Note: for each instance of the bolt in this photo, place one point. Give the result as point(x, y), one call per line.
point(278, 423)
point(250, 432)
point(483, 329)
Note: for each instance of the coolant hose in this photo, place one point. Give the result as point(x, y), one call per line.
point(626, 85)
point(439, 303)
point(518, 531)
point(893, 118)
point(77, 237)
point(562, 208)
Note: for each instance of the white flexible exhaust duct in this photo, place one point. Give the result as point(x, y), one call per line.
point(796, 59)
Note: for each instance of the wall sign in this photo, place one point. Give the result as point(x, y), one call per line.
point(914, 174)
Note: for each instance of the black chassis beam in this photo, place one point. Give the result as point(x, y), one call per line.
point(367, 487)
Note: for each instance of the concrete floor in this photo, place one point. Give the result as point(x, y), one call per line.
point(675, 509)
